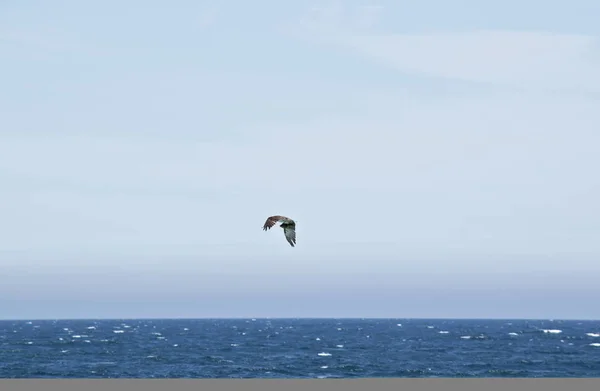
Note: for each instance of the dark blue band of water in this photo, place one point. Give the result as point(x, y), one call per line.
point(298, 348)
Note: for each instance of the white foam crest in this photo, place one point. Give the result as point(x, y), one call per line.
point(339, 346)
point(29, 343)
point(429, 327)
point(175, 345)
point(466, 337)
point(595, 335)
point(552, 331)
point(155, 333)
point(324, 367)
point(324, 354)
point(234, 344)
point(513, 334)
point(399, 325)
point(317, 339)
point(443, 332)
point(91, 327)
point(595, 344)
point(118, 331)
point(64, 351)
point(87, 341)
point(186, 329)
point(339, 329)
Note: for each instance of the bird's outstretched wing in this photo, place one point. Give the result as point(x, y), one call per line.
point(272, 220)
point(288, 225)
point(290, 234)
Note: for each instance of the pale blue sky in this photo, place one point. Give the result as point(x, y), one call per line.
point(440, 158)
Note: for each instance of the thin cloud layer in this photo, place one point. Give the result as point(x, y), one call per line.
point(543, 60)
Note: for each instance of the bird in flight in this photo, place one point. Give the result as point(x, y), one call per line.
point(288, 225)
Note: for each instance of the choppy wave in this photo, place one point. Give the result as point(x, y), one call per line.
point(296, 348)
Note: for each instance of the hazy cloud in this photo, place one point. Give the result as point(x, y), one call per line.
point(526, 59)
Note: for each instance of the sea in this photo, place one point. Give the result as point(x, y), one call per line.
point(298, 348)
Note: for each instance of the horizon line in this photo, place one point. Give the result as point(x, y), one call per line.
point(296, 318)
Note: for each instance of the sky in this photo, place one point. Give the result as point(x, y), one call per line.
point(440, 158)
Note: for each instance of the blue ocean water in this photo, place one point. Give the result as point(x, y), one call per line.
point(298, 348)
